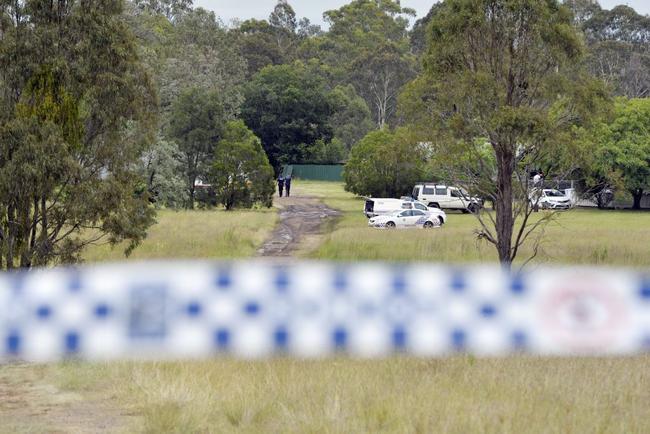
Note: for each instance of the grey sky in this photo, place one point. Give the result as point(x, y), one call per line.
point(313, 9)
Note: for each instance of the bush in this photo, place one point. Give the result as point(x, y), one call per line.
point(241, 175)
point(385, 164)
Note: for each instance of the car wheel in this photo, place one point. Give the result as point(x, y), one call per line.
point(390, 225)
point(428, 225)
point(473, 208)
point(441, 221)
point(434, 205)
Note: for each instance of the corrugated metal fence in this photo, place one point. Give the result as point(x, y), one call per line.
point(315, 172)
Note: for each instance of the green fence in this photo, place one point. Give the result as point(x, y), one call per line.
point(315, 172)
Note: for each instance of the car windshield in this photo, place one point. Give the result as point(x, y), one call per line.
point(553, 193)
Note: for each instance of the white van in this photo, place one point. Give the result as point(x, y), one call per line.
point(446, 197)
point(380, 206)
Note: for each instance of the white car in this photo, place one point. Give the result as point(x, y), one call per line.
point(377, 206)
point(408, 218)
point(549, 198)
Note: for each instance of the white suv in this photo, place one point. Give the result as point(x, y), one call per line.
point(445, 197)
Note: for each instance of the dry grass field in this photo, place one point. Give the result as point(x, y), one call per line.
point(578, 236)
point(196, 234)
point(459, 394)
point(455, 395)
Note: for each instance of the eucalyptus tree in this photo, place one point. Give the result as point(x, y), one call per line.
point(618, 43)
point(506, 73)
point(196, 125)
point(78, 109)
point(368, 46)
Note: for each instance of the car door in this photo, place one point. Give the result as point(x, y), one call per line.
point(403, 219)
point(442, 196)
point(456, 199)
point(417, 218)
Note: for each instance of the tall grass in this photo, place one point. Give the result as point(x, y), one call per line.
point(397, 395)
point(575, 237)
point(196, 234)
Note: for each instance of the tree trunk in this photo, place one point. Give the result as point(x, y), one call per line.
point(637, 194)
point(503, 205)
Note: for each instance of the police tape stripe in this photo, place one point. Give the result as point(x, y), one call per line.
point(258, 309)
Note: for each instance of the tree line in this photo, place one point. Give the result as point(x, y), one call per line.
point(113, 108)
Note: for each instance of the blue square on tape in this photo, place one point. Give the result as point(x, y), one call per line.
point(281, 338)
point(223, 280)
point(399, 284)
point(458, 283)
point(13, 343)
point(399, 338)
point(517, 285)
point(71, 342)
point(102, 311)
point(488, 311)
point(222, 339)
point(340, 281)
point(252, 308)
point(281, 280)
point(148, 312)
point(458, 339)
point(644, 292)
point(44, 312)
point(194, 309)
point(519, 340)
point(74, 283)
point(340, 338)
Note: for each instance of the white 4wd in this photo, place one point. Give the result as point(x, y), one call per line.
point(445, 197)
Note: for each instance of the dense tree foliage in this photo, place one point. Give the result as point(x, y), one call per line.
point(76, 113)
point(197, 122)
point(385, 164)
point(622, 155)
point(241, 174)
point(288, 108)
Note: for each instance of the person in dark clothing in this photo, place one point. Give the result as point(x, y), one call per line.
point(287, 184)
point(281, 186)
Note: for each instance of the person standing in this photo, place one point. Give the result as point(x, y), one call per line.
point(281, 186)
point(287, 184)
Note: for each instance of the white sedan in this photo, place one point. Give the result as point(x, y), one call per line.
point(408, 218)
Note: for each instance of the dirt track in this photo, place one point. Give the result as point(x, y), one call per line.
point(31, 403)
point(301, 218)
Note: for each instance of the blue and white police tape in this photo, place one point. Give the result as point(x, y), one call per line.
point(258, 309)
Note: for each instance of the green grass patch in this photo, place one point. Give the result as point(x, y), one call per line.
point(580, 236)
point(196, 234)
